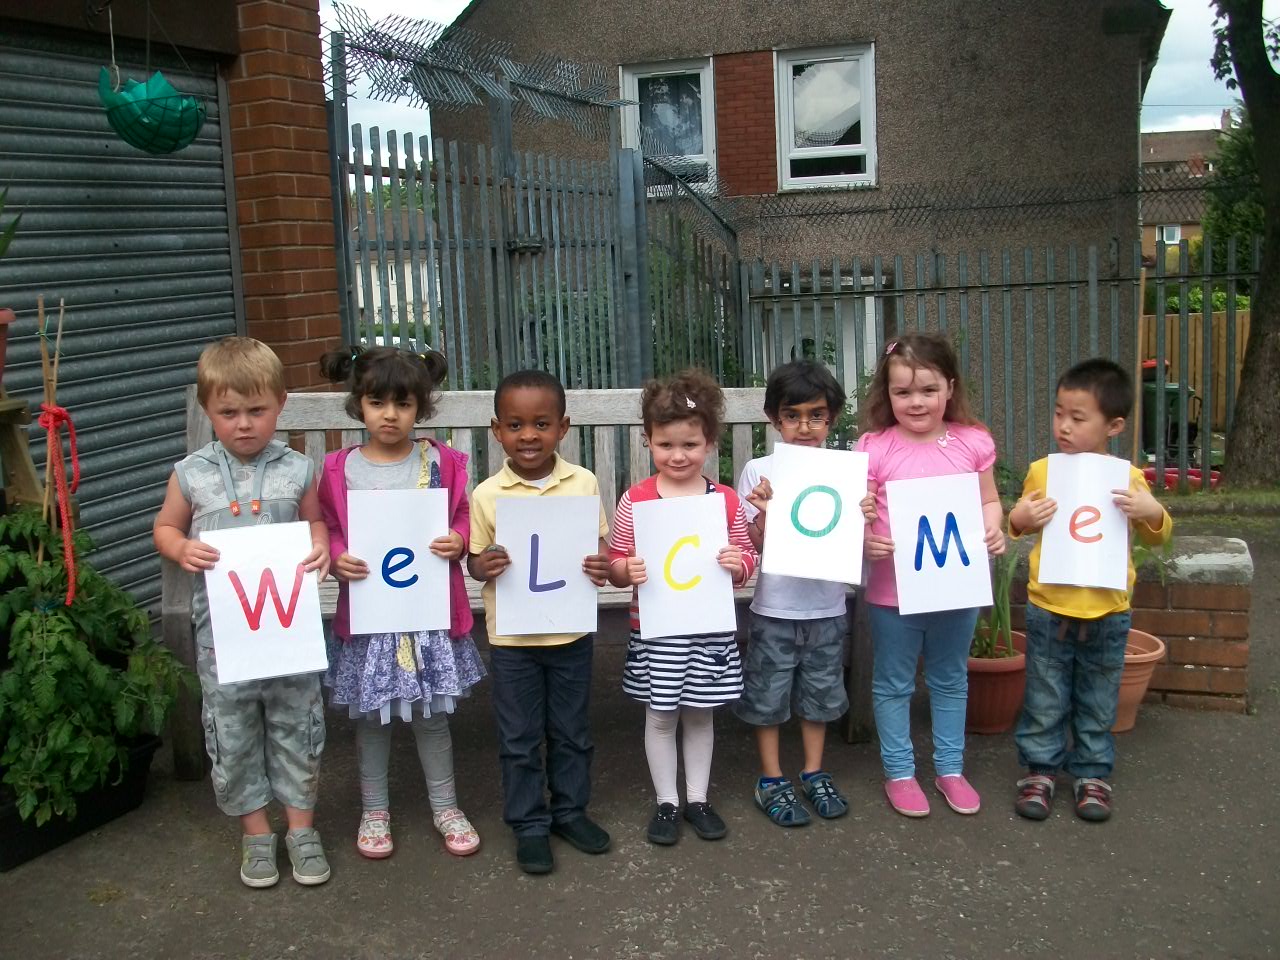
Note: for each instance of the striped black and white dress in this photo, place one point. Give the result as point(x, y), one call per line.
point(698, 670)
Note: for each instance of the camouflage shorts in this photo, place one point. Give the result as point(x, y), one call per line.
point(264, 737)
point(793, 665)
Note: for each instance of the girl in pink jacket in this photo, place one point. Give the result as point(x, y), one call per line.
point(415, 677)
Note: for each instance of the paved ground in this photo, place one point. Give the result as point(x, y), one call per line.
point(1187, 867)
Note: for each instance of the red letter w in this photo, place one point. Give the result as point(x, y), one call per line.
point(268, 582)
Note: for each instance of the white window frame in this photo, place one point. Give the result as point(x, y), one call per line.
point(782, 62)
point(1162, 234)
point(629, 74)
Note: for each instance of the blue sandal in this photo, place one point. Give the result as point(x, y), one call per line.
point(780, 804)
point(822, 793)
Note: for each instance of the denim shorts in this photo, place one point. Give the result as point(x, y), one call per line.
point(794, 666)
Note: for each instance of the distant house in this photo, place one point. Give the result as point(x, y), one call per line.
point(1176, 159)
point(939, 108)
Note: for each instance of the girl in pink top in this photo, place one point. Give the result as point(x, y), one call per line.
point(917, 424)
point(416, 676)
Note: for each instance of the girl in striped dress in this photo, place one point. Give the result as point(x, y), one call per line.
point(680, 678)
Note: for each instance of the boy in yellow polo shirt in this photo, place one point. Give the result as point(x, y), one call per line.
point(1076, 635)
point(541, 683)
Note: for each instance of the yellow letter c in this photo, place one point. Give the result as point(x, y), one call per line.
point(690, 541)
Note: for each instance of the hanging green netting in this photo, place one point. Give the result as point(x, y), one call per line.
point(152, 116)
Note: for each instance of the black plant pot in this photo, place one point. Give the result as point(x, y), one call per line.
point(21, 840)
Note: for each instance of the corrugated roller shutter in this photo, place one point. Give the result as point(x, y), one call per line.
point(139, 248)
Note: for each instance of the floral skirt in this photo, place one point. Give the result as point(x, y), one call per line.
point(388, 675)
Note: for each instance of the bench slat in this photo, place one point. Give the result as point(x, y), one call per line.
point(606, 444)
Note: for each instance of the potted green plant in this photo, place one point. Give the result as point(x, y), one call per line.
point(83, 693)
point(997, 661)
point(1142, 650)
point(7, 315)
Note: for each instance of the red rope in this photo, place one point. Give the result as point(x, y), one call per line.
point(52, 418)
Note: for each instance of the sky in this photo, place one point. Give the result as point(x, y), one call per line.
point(1181, 95)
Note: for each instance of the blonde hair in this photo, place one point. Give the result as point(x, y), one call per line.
point(242, 364)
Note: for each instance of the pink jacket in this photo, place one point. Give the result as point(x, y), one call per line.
point(333, 504)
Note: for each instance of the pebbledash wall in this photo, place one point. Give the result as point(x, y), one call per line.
point(157, 256)
point(1201, 612)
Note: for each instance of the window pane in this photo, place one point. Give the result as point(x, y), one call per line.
point(828, 166)
point(671, 106)
point(826, 103)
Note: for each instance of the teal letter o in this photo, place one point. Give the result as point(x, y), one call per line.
point(835, 517)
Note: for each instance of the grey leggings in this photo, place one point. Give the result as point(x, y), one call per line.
point(435, 750)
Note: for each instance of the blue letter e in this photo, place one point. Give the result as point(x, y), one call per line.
point(949, 529)
point(395, 561)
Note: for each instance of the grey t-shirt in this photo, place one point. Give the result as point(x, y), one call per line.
point(365, 474)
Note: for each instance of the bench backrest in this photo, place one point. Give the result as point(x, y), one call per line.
point(606, 428)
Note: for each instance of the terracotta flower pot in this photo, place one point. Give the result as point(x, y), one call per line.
point(7, 317)
point(1141, 655)
point(995, 690)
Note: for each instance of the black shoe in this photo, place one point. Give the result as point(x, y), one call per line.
point(533, 853)
point(582, 833)
point(705, 821)
point(664, 828)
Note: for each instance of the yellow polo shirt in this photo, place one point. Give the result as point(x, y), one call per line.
point(566, 480)
point(1084, 603)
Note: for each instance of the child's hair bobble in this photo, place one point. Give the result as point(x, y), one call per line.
point(338, 366)
point(890, 347)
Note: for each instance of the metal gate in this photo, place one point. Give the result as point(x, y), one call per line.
point(139, 248)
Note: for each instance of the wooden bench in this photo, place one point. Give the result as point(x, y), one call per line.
point(606, 434)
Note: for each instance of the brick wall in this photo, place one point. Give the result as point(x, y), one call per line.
point(746, 133)
point(1201, 613)
point(280, 151)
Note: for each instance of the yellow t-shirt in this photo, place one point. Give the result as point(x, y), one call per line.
point(566, 480)
point(1084, 603)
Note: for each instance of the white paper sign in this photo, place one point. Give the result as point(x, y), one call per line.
point(1087, 541)
point(686, 590)
point(815, 524)
point(544, 590)
point(264, 610)
point(408, 586)
point(939, 557)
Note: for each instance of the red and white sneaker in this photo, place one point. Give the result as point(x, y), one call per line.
point(373, 839)
point(460, 837)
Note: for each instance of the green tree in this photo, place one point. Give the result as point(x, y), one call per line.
point(1245, 55)
point(1234, 205)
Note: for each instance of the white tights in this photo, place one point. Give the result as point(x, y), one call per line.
point(660, 747)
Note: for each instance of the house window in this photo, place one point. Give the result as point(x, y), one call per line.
point(675, 105)
point(826, 117)
point(1170, 233)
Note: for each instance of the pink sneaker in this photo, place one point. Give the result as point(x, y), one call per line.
point(906, 797)
point(960, 796)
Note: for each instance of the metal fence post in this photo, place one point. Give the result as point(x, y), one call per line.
point(339, 172)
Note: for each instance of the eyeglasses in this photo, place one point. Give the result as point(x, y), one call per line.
point(792, 419)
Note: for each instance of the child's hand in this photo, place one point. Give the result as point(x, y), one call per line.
point(877, 547)
point(449, 547)
point(993, 537)
point(197, 556)
point(317, 560)
point(760, 496)
point(596, 567)
point(1141, 505)
point(635, 571)
point(1033, 511)
point(730, 558)
point(868, 505)
point(347, 567)
point(491, 562)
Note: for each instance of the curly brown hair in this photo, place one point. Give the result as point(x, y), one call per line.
point(690, 395)
point(919, 351)
point(383, 372)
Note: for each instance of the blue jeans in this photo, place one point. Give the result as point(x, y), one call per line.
point(944, 639)
point(1073, 684)
point(543, 694)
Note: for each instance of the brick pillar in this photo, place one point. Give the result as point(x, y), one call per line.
point(746, 131)
point(280, 152)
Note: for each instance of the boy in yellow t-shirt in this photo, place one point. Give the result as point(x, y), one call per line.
point(1076, 635)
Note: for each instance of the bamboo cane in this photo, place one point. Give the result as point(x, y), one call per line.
point(49, 375)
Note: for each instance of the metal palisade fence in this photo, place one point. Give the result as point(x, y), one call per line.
point(1178, 320)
